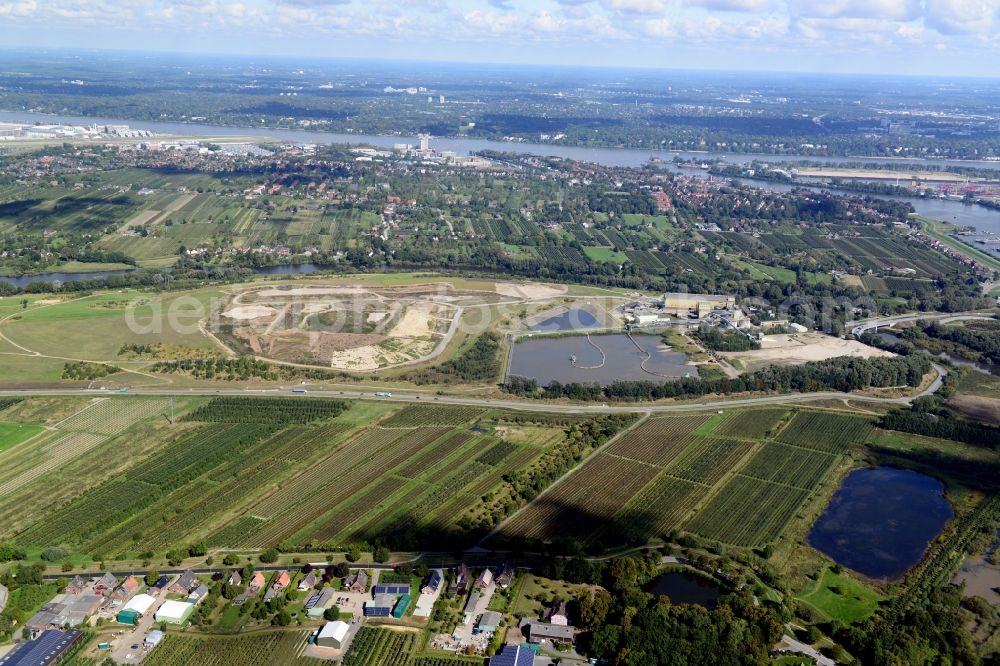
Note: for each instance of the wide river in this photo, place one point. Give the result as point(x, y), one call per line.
point(949, 211)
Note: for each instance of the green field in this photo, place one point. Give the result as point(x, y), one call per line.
point(254, 473)
point(840, 597)
point(269, 647)
point(12, 434)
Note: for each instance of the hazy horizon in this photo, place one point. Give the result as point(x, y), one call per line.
point(891, 37)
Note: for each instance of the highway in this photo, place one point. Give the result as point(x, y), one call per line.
point(523, 405)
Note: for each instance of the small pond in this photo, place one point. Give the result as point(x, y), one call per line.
point(597, 358)
point(571, 320)
point(685, 587)
point(881, 520)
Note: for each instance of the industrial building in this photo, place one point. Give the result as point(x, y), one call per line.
point(174, 612)
point(49, 648)
point(135, 609)
point(332, 634)
point(696, 305)
point(514, 655)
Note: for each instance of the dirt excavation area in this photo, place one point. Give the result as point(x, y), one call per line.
point(799, 348)
point(530, 290)
point(343, 327)
point(977, 407)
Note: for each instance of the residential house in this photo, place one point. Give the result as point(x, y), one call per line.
point(235, 578)
point(432, 584)
point(308, 581)
point(105, 585)
point(484, 580)
point(186, 582)
point(358, 582)
point(281, 581)
point(460, 585)
point(75, 586)
point(126, 590)
point(506, 576)
point(256, 583)
point(538, 632)
point(198, 593)
point(556, 614)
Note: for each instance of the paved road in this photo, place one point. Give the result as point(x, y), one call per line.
point(523, 405)
point(801, 648)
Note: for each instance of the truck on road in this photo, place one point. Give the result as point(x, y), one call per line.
point(383, 394)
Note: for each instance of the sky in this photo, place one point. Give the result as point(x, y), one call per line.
point(938, 37)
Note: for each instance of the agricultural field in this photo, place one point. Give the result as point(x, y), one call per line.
point(825, 431)
point(256, 472)
point(717, 475)
point(257, 649)
point(381, 647)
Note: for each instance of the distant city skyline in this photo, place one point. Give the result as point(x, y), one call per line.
point(937, 37)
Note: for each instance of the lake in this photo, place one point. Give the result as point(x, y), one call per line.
point(881, 520)
point(598, 358)
point(25, 280)
point(685, 587)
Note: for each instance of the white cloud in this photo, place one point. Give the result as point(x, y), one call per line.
point(962, 17)
point(636, 6)
point(660, 28)
point(889, 10)
point(731, 5)
point(492, 22)
point(545, 22)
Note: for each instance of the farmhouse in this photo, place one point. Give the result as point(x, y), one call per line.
point(556, 614)
point(75, 586)
point(432, 584)
point(308, 581)
point(125, 591)
point(381, 606)
point(105, 585)
point(198, 593)
point(184, 584)
point(485, 579)
point(460, 585)
point(506, 576)
point(256, 583)
point(358, 582)
point(318, 603)
point(538, 632)
point(72, 611)
point(332, 634)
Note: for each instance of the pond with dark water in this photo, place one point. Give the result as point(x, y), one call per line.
point(685, 587)
point(571, 320)
point(597, 358)
point(881, 520)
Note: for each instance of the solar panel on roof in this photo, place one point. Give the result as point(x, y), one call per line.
point(312, 601)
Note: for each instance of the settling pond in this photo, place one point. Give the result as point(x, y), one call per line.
point(571, 320)
point(881, 520)
point(684, 587)
point(598, 358)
